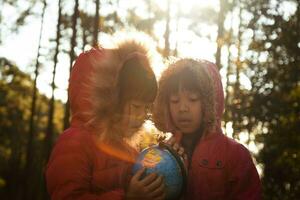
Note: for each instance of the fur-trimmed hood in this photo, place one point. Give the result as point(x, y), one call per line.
point(93, 82)
point(209, 80)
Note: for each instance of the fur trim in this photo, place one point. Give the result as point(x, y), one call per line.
point(104, 89)
point(124, 49)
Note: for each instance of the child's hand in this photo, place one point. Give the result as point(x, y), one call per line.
point(150, 187)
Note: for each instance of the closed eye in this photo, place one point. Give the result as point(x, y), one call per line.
point(194, 99)
point(174, 101)
point(136, 106)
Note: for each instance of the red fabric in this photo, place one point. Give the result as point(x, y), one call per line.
point(220, 167)
point(78, 167)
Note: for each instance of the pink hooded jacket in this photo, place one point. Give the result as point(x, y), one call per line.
point(220, 167)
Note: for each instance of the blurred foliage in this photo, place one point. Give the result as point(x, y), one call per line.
point(272, 108)
point(15, 101)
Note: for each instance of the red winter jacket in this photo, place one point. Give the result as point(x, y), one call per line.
point(80, 167)
point(221, 168)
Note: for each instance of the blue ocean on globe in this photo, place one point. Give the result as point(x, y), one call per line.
point(163, 161)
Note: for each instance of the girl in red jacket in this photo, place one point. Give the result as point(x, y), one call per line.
point(190, 105)
point(110, 91)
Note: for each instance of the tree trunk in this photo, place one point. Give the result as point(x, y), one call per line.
point(29, 154)
point(72, 58)
point(177, 27)
point(239, 62)
point(228, 111)
point(84, 41)
point(237, 92)
point(96, 24)
point(167, 32)
point(13, 183)
point(220, 37)
point(49, 133)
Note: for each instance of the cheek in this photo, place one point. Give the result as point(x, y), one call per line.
point(136, 119)
point(125, 116)
point(197, 113)
point(173, 111)
point(125, 121)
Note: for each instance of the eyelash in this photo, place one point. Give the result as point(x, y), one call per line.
point(136, 106)
point(194, 99)
point(191, 99)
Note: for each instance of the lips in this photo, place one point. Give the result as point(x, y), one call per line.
point(184, 121)
point(135, 127)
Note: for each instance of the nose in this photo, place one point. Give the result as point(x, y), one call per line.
point(183, 107)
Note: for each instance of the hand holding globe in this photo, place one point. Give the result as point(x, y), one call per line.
point(165, 162)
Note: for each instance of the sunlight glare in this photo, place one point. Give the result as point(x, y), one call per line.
point(111, 41)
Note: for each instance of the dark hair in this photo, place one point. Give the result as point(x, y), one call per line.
point(191, 75)
point(137, 81)
point(184, 79)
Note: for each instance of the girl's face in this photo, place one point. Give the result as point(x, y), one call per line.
point(134, 115)
point(186, 111)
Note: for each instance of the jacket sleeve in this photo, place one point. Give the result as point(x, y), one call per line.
point(69, 174)
point(244, 181)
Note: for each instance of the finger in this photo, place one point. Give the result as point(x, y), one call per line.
point(159, 191)
point(176, 146)
point(149, 179)
point(171, 141)
point(138, 174)
point(162, 197)
point(181, 151)
point(185, 157)
point(155, 184)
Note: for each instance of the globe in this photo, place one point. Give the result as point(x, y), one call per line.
point(164, 161)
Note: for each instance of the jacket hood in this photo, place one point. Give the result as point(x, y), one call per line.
point(218, 91)
point(93, 80)
point(207, 78)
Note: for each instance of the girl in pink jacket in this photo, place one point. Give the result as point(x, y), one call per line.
point(190, 105)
